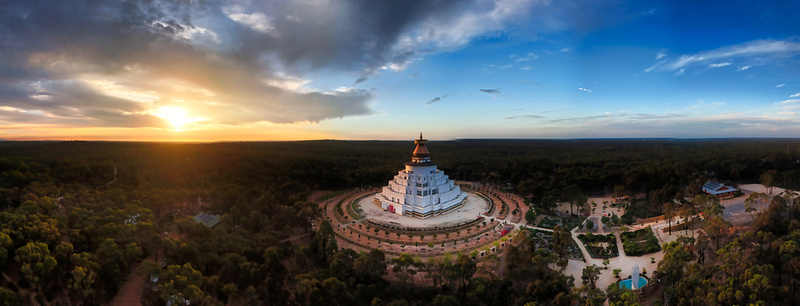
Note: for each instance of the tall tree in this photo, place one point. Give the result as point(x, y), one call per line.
point(575, 197)
point(709, 205)
point(35, 262)
point(466, 268)
point(179, 284)
point(591, 274)
point(756, 198)
point(6, 246)
point(767, 179)
point(669, 213)
point(672, 265)
point(562, 239)
point(370, 266)
point(717, 228)
point(405, 266)
point(325, 240)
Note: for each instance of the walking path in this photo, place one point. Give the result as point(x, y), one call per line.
point(131, 291)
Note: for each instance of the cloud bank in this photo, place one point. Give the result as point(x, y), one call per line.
point(117, 63)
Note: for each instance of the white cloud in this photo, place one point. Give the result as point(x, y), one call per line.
point(256, 21)
point(584, 89)
point(525, 68)
point(399, 67)
point(718, 65)
point(566, 49)
point(289, 83)
point(795, 95)
point(761, 48)
point(660, 55)
point(526, 58)
point(780, 85)
point(789, 101)
point(743, 68)
point(680, 72)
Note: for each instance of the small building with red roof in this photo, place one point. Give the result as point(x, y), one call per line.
point(719, 190)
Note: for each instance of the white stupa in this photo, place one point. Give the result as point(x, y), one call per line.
point(420, 190)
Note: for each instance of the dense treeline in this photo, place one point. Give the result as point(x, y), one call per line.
point(759, 266)
point(77, 216)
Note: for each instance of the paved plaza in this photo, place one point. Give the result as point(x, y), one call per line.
point(472, 209)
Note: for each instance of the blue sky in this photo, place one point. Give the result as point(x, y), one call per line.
point(275, 70)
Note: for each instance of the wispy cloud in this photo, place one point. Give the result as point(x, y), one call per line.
point(436, 99)
point(743, 68)
point(555, 110)
point(492, 68)
point(680, 72)
point(584, 89)
point(525, 68)
point(759, 48)
point(524, 116)
point(780, 85)
point(621, 115)
point(528, 57)
point(491, 91)
point(660, 55)
point(789, 101)
point(566, 49)
point(530, 82)
point(795, 95)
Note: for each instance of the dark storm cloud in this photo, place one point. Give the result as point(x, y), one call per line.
point(99, 63)
point(491, 91)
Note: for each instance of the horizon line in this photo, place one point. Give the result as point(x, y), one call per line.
point(409, 139)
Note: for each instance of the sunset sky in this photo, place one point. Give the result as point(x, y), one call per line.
point(183, 70)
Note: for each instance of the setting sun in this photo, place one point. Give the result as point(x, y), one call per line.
point(175, 115)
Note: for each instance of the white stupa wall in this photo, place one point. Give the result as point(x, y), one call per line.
point(420, 191)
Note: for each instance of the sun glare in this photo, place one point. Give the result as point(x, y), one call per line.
point(177, 116)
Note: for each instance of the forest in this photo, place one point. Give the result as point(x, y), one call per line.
point(77, 218)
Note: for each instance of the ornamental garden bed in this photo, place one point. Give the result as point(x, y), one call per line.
point(600, 246)
point(545, 238)
point(569, 223)
point(640, 242)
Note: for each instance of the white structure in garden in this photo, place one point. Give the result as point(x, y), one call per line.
point(420, 190)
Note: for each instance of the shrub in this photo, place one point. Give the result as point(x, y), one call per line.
point(627, 219)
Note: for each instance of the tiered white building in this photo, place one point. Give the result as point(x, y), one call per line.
point(420, 190)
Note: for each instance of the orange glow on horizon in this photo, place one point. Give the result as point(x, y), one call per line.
point(261, 131)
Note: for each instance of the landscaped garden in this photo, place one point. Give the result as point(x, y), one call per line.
point(569, 223)
point(640, 208)
point(600, 246)
point(640, 242)
point(544, 239)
